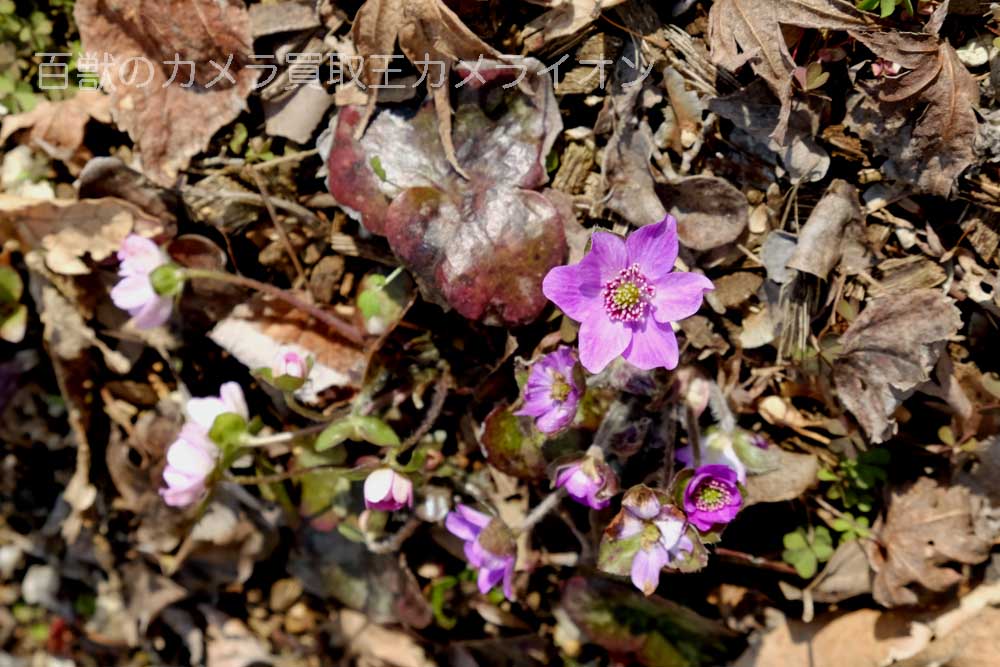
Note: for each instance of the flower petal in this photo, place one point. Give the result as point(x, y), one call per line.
point(488, 578)
point(378, 484)
point(654, 248)
point(646, 568)
point(653, 345)
point(474, 517)
point(575, 289)
point(153, 314)
point(203, 411)
point(232, 397)
point(455, 524)
point(679, 295)
point(508, 579)
point(556, 418)
point(601, 340)
point(132, 292)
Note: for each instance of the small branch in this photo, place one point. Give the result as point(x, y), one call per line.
point(285, 241)
point(342, 328)
point(393, 543)
point(754, 561)
point(433, 412)
point(281, 438)
point(251, 480)
point(541, 509)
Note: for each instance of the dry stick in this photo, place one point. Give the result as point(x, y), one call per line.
point(345, 329)
point(755, 561)
point(541, 509)
point(259, 182)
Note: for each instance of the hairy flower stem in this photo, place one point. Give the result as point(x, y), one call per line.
point(280, 438)
point(345, 329)
point(541, 509)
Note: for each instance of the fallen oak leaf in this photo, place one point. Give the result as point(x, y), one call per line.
point(888, 351)
point(926, 526)
point(749, 31)
point(170, 122)
point(57, 128)
point(428, 32)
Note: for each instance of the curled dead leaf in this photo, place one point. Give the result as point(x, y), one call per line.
point(710, 212)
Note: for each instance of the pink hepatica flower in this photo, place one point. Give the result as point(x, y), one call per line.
point(712, 497)
point(193, 456)
point(552, 392)
point(288, 362)
point(663, 540)
point(134, 293)
point(190, 460)
point(489, 547)
point(625, 295)
point(387, 491)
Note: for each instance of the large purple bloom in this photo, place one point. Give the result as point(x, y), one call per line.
point(489, 547)
point(625, 296)
point(712, 497)
point(552, 392)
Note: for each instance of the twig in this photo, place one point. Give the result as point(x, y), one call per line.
point(285, 241)
point(342, 328)
point(433, 412)
point(541, 509)
point(754, 561)
point(395, 541)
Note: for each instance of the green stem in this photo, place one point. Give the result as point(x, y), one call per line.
point(344, 329)
point(281, 438)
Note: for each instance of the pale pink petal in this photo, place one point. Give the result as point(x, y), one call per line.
point(608, 251)
point(679, 295)
point(203, 411)
point(402, 490)
point(556, 418)
point(139, 256)
point(653, 345)
point(601, 341)
point(654, 248)
point(153, 314)
point(378, 485)
point(232, 397)
point(646, 568)
point(132, 292)
point(670, 531)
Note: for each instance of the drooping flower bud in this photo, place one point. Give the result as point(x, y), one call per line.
point(387, 490)
point(588, 480)
point(136, 292)
point(553, 391)
point(489, 547)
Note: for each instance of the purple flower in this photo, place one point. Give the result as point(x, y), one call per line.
point(625, 296)
point(662, 528)
point(712, 497)
point(489, 546)
point(387, 491)
point(552, 392)
point(589, 480)
point(134, 293)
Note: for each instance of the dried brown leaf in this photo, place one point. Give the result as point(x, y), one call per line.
point(710, 212)
point(832, 234)
point(57, 128)
point(794, 475)
point(749, 31)
point(427, 31)
point(926, 526)
point(170, 123)
point(889, 350)
point(933, 150)
point(565, 19)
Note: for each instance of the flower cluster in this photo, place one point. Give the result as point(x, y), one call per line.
point(193, 457)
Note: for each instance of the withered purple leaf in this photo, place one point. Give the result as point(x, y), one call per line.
point(480, 244)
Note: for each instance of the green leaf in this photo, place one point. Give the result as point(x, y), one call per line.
point(240, 136)
point(12, 327)
point(376, 163)
point(803, 561)
point(513, 445)
point(357, 427)
point(795, 540)
point(888, 7)
point(615, 556)
point(11, 285)
point(827, 475)
point(227, 429)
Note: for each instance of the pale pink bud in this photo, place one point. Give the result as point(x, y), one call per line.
point(291, 363)
point(387, 490)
